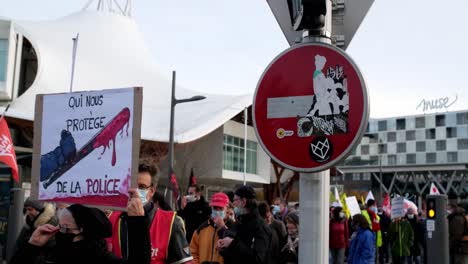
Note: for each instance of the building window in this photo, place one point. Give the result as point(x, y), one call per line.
point(451, 132)
point(441, 145)
point(410, 135)
point(234, 154)
point(420, 122)
point(401, 147)
point(356, 177)
point(462, 143)
point(374, 160)
point(382, 125)
point(420, 146)
point(440, 120)
point(391, 159)
point(373, 138)
point(410, 158)
point(430, 133)
point(366, 176)
point(382, 148)
point(462, 118)
point(452, 157)
point(430, 158)
point(391, 136)
point(365, 150)
point(401, 124)
point(3, 58)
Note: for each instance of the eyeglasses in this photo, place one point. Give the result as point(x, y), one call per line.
point(64, 229)
point(144, 187)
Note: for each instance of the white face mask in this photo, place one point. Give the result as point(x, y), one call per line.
point(143, 194)
point(191, 198)
point(342, 215)
point(410, 216)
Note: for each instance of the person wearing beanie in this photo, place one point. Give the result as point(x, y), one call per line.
point(249, 241)
point(204, 239)
point(290, 251)
point(36, 213)
point(79, 237)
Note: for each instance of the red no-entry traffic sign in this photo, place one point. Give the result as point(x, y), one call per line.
point(310, 107)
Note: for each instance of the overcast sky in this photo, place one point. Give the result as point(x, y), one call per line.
point(407, 50)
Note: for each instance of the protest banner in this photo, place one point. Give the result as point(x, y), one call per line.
point(398, 207)
point(353, 205)
point(86, 146)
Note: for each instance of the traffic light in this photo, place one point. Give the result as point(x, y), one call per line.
point(431, 208)
point(308, 14)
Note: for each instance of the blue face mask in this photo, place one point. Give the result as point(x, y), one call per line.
point(238, 211)
point(143, 194)
point(214, 214)
point(276, 209)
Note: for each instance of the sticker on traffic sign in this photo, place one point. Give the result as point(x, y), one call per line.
point(310, 107)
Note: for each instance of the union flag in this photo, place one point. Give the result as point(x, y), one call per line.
point(7, 152)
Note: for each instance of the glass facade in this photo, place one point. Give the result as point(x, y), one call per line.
point(3, 58)
point(234, 154)
point(426, 139)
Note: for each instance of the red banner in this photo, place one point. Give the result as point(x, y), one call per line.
point(7, 152)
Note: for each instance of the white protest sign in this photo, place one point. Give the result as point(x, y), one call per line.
point(398, 207)
point(353, 205)
point(86, 146)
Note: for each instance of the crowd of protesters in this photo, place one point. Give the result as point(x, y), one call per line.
point(231, 227)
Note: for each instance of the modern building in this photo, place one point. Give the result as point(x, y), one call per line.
point(406, 154)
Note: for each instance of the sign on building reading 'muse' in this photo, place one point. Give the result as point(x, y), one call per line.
point(86, 146)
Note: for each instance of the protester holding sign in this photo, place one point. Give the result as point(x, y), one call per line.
point(80, 237)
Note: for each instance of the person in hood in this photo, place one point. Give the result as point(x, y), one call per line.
point(37, 214)
point(290, 251)
point(194, 210)
point(457, 225)
point(205, 238)
point(248, 242)
point(80, 238)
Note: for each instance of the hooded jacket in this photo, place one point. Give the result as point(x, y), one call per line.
point(203, 244)
point(401, 236)
point(47, 216)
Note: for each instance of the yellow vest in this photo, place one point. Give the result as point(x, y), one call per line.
point(379, 234)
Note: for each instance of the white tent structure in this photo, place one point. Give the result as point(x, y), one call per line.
point(112, 54)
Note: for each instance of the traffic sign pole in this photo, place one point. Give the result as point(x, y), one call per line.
point(314, 198)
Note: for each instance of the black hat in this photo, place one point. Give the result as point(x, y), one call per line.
point(293, 217)
point(38, 205)
point(370, 202)
point(246, 192)
point(93, 221)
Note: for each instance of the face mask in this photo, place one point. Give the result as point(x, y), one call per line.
point(214, 214)
point(410, 216)
point(143, 194)
point(276, 209)
point(449, 212)
point(374, 209)
point(64, 239)
point(191, 198)
point(293, 233)
point(342, 215)
point(238, 211)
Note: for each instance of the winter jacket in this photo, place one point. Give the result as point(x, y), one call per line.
point(362, 248)
point(374, 221)
point(203, 244)
point(290, 251)
point(251, 241)
point(90, 251)
point(456, 229)
point(338, 234)
point(278, 240)
point(418, 231)
point(194, 214)
point(47, 216)
point(401, 237)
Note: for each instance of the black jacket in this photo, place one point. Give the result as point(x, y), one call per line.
point(252, 241)
point(90, 251)
point(195, 214)
point(418, 230)
point(278, 240)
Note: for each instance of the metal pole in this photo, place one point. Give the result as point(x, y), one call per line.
point(171, 141)
point(15, 220)
point(314, 189)
point(246, 116)
point(75, 47)
point(381, 179)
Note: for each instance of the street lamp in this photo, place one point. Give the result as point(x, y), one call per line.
point(174, 102)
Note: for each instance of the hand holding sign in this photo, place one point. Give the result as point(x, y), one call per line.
point(135, 206)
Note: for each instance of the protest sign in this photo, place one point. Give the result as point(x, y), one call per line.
point(353, 205)
point(398, 207)
point(86, 146)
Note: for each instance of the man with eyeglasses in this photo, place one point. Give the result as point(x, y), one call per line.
point(167, 233)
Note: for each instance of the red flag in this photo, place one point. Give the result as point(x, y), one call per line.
point(7, 152)
point(192, 179)
point(386, 207)
point(175, 186)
